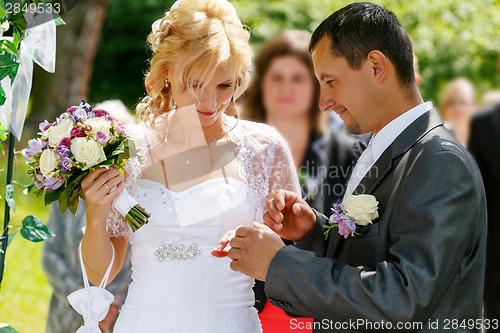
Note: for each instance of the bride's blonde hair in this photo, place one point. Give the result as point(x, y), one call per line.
point(198, 36)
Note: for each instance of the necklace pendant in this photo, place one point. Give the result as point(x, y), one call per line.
point(187, 161)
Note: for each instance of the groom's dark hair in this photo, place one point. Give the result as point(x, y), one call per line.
point(359, 28)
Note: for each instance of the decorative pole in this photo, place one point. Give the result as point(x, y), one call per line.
point(5, 237)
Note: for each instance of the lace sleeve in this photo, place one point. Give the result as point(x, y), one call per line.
point(266, 162)
point(116, 224)
point(282, 172)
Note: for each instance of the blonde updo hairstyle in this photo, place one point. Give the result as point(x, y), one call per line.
point(198, 37)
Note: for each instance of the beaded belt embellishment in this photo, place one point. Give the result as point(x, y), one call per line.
point(177, 252)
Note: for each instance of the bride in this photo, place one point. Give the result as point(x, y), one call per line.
point(199, 173)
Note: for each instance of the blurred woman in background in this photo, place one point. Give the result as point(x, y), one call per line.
point(457, 105)
point(285, 94)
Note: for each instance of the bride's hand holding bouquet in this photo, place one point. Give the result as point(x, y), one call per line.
point(80, 155)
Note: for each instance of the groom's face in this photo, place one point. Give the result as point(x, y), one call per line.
point(344, 90)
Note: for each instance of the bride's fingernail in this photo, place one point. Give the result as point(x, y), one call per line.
point(220, 247)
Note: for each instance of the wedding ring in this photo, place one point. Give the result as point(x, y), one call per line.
point(106, 186)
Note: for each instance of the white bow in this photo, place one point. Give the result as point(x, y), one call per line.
point(38, 45)
point(92, 302)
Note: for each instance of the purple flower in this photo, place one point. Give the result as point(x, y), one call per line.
point(346, 227)
point(35, 146)
point(52, 183)
point(80, 114)
point(100, 113)
point(63, 151)
point(77, 132)
point(101, 137)
point(44, 126)
point(65, 142)
point(120, 128)
point(71, 109)
point(66, 164)
point(64, 116)
point(39, 177)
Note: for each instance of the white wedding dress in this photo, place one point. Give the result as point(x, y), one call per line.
point(178, 286)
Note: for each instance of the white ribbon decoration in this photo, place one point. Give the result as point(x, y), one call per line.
point(92, 302)
point(38, 45)
point(124, 202)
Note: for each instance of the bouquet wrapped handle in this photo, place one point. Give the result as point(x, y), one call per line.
point(134, 214)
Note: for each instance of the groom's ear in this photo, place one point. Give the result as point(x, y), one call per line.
point(378, 63)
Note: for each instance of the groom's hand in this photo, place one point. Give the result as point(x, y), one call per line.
point(252, 249)
point(289, 215)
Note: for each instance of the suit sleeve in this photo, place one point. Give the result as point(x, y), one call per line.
point(437, 212)
point(315, 239)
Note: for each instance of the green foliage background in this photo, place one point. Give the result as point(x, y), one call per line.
point(451, 38)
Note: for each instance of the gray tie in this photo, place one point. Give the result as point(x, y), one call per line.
point(363, 165)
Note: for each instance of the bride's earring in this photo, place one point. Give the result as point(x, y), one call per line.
point(166, 83)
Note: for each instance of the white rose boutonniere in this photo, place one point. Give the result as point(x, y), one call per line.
point(363, 209)
point(356, 210)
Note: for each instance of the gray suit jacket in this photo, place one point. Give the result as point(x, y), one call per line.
point(421, 261)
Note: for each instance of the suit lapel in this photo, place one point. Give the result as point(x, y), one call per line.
point(382, 167)
point(411, 135)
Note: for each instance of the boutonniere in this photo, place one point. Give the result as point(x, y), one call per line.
point(356, 210)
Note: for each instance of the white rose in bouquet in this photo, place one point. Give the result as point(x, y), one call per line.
point(48, 162)
point(98, 124)
point(62, 130)
point(87, 151)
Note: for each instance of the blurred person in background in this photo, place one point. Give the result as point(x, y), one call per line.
point(484, 144)
point(457, 105)
point(285, 94)
point(490, 98)
point(60, 256)
point(416, 70)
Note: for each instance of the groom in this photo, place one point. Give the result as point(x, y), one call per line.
point(420, 265)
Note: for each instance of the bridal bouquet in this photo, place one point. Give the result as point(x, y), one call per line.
point(356, 210)
point(79, 141)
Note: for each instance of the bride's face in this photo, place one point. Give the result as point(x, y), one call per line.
point(210, 98)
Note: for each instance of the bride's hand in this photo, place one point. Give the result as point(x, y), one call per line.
point(289, 215)
point(96, 188)
point(223, 247)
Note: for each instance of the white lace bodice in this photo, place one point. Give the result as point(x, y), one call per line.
point(264, 163)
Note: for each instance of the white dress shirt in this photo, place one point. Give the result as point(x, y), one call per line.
point(383, 139)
